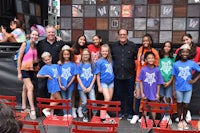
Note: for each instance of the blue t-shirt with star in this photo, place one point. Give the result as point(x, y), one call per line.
point(66, 71)
point(86, 73)
point(52, 71)
point(106, 71)
point(150, 78)
point(183, 73)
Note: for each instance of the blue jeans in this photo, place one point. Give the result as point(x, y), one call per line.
point(83, 97)
point(67, 95)
point(124, 93)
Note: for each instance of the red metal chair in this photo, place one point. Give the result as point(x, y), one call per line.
point(159, 130)
point(29, 127)
point(98, 105)
point(194, 124)
point(156, 107)
point(90, 127)
point(53, 120)
point(11, 101)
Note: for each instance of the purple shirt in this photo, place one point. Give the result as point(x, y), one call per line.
point(150, 78)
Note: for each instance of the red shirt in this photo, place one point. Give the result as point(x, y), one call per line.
point(94, 52)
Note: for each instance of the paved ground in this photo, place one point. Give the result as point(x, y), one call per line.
point(124, 127)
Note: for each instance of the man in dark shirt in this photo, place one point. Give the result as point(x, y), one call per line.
point(124, 53)
point(51, 45)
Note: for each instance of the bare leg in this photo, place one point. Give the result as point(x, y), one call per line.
point(29, 87)
point(24, 96)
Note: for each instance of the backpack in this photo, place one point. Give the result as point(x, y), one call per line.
point(15, 58)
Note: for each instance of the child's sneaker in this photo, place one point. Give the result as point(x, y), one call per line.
point(134, 119)
point(80, 114)
point(74, 112)
point(180, 126)
point(188, 116)
point(46, 113)
point(107, 115)
point(85, 119)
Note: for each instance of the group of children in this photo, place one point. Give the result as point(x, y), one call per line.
point(81, 73)
point(158, 76)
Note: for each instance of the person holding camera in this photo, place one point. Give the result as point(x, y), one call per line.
point(17, 34)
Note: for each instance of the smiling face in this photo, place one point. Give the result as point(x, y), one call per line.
point(123, 36)
point(85, 56)
point(47, 60)
point(104, 52)
point(185, 54)
point(187, 40)
point(34, 35)
point(66, 55)
point(51, 33)
point(96, 41)
point(150, 59)
point(146, 42)
point(167, 47)
point(82, 40)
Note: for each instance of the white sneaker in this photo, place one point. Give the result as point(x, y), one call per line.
point(74, 112)
point(188, 116)
point(167, 118)
point(80, 114)
point(46, 113)
point(107, 115)
point(134, 119)
point(85, 119)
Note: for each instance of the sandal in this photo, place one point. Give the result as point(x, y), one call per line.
point(25, 110)
point(32, 114)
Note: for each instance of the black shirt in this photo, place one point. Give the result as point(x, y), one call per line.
point(124, 59)
point(54, 49)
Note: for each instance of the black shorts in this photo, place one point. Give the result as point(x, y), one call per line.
point(27, 74)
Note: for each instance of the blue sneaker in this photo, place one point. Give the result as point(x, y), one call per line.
point(129, 118)
point(120, 116)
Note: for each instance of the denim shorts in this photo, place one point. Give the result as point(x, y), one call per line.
point(183, 96)
point(167, 92)
point(106, 86)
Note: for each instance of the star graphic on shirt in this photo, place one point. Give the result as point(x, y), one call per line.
point(86, 73)
point(184, 72)
point(166, 67)
point(109, 68)
point(150, 78)
point(94, 56)
point(66, 73)
point(55, 72)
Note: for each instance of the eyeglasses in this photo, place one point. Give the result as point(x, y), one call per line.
point(122, 34)
point(86, 54)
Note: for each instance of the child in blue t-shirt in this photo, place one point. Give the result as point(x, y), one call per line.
point(151, 79)
point(86, 76)
point(50, 71)
point(182, 73)
point(105, 77)
point(66, 75)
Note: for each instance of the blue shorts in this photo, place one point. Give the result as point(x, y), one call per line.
point(166, 92)
point(183, 96)
point(106, 86)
